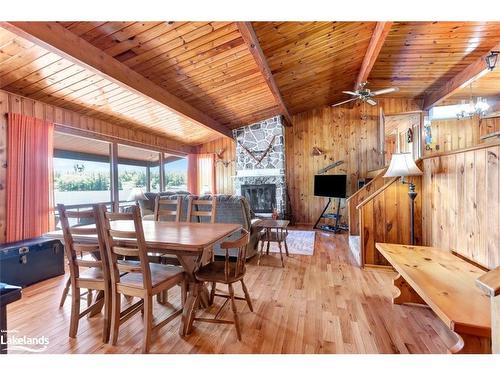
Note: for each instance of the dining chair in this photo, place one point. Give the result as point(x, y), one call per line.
point(196, 214)
point(142, 279)
point(194, 211)
point(96, 277)
point(168, 208)
point(165, 207)
point(226, 272)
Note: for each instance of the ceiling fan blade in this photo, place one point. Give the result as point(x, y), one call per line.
point(384, 91)
point(350, 93)
point(371, 101)
point(345, 101)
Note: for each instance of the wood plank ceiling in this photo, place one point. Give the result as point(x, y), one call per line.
point(29, 70)
point(209, 66)
point(312, 62)
point(487, 86)
point(419, 57)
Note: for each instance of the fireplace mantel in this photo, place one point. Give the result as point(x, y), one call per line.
point(259, 172)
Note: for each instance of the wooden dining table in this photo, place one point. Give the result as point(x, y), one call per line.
point(187, 241)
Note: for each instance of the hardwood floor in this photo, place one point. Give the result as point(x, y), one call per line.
point(316, 304)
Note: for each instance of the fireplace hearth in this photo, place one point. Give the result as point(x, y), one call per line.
point(262, 198)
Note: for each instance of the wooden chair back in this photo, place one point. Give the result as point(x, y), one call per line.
point(195, 212)
point(163, 208)
point(74, 250)
point(125, 243)
point(241, 245)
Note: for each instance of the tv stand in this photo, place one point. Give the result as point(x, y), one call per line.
point(331, 228)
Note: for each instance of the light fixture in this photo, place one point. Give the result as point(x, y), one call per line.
point(491, 60)
point(479, 107)
point(402, 165)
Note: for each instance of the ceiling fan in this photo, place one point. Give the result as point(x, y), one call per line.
point(364, 94)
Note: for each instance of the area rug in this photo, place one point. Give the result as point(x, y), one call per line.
point(300, 242)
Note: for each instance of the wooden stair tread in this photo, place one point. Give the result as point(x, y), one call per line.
point(446, 283)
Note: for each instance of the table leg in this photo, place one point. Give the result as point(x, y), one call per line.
point(281, 254)
point(197, 295)
point(261, 251)
point(286, 247)
point(188, 310)
point(99, 301)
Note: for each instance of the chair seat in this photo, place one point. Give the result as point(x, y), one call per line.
point(214, 271)
point(160, 274)
point(92, 273)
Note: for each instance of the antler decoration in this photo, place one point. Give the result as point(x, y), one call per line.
point(264, 153)
point(225, 163)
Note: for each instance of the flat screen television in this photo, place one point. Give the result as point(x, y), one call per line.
point(332, 186)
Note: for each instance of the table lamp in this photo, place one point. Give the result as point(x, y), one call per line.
point(402, 165)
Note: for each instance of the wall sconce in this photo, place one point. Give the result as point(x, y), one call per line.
point(491, 60)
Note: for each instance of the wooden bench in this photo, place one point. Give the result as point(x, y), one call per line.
point(490, 283)
point(447, 284)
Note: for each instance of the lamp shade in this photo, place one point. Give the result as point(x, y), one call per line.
point(136, 194)
point(402, 165)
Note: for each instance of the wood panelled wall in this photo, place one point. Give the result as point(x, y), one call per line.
point(453, 134)
point(224, 181)
point(349, 134)
point(386, 218)
point(461, 207)
point(359, 196)
point(14, 103)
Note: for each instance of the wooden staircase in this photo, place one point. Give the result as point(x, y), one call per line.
point(379, 212)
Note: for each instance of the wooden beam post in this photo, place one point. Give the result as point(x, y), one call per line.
point(57, 39)
point(377, 41)
point(248, 34)
point(115, 192)
point(468, 75)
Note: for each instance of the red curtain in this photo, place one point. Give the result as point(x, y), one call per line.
point(201, 173)
point(29, 177)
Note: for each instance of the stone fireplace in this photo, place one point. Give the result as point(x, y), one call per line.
point(260, 166)
point(262, 197)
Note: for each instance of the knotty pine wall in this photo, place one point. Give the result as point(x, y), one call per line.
point(386, 218)
point(14, 103)
point(453, 134)
point(461, 205)
point(349, 134)
point(224, 181)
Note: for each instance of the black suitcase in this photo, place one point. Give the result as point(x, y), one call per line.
point(27, 262)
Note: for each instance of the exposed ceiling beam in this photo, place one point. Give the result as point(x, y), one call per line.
point(376, 42)
point(466, 76)
point(251, 40)
point(56, 38)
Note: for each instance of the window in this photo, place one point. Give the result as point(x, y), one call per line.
point(81, 170)
point(134, 167)
point(175, 173)
point(446, 111)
